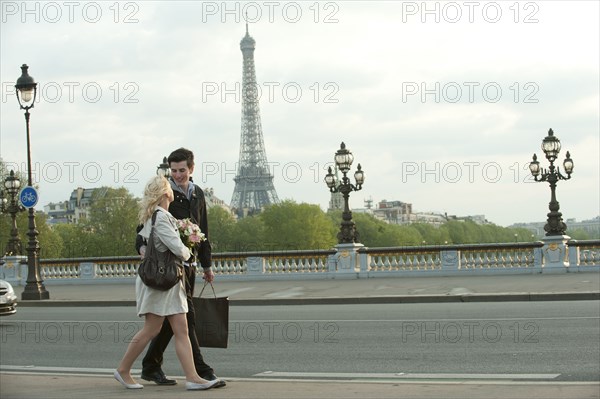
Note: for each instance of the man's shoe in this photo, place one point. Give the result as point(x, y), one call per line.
point(212, 377)
point(158, 377)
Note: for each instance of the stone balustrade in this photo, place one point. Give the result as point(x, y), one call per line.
point(558, 255)
point(453, 259)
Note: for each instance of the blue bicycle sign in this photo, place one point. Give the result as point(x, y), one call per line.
point(28, 196)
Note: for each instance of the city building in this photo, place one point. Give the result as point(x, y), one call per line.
point(77, 207)
point(398, 212)
point(57, 212)
point(80, 201)
point(590, 226)
point(212, 200)
point(394, 212)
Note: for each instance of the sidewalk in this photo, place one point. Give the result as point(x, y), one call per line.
point(524, 287)
point(60, 386)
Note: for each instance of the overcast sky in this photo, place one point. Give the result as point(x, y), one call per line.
point(443, 104)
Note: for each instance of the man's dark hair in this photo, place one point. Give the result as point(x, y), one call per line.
point(182, 154)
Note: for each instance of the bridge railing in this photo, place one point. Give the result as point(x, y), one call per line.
point(453, 259)
point(443, 260)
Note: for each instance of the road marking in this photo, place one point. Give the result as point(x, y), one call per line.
point(289, 293)
point(398, 378)
point(463, 376)
point(460, 291)
point(141, 321)
point(433, 376)
point(233, 292)
point(421, 320)
point(61, 369)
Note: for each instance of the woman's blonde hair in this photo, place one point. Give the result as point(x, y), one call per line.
point(153, 193)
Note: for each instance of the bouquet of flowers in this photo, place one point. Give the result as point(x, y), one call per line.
point(190, 233)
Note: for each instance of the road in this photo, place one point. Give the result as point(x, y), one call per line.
point(513, 341)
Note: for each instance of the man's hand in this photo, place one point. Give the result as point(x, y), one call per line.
point(208, 276)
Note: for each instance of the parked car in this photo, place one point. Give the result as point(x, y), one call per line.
point(8, 299)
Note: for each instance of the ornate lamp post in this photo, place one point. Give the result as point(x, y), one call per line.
point(34, 289)
point(551, 147)
point(343, 161)
point(164, 169)
point(11, 205)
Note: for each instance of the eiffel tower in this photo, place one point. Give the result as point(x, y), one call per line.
point(254, 188)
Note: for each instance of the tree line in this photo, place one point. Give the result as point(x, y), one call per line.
point(292, 226)
point(110, 230)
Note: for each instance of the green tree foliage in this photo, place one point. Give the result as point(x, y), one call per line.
point(74, 241)
point(292, 226)
point(461, 232)
point(51, 244)
point(579, 234)
point(221, 229)
point(248, 235)
point(432, 235)
point(469, 232)
point(377, 233)
point(110, 229)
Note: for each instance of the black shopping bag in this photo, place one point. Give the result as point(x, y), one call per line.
point(212, 320)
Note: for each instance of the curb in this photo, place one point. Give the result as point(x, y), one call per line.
point(437, 298)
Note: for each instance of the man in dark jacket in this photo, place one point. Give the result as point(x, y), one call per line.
point(189, 203)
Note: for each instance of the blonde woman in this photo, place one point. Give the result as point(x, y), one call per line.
point(155, 305)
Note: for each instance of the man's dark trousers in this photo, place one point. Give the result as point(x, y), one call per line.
point(154, 356)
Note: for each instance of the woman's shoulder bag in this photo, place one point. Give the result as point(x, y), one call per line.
point(159, 270)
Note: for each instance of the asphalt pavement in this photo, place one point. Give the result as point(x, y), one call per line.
point(538, 287)
point(523, 287)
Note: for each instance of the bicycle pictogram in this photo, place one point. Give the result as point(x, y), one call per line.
point(29, 197)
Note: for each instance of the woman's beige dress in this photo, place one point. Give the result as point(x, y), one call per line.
point(150, 300)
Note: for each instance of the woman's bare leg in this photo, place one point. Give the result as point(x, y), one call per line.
point(183, 348)
point(152, 325)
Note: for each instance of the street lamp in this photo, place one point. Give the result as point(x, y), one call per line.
point(343, 161)
point(164, 169)
point(34, 289)
point(11, 205)
point(551, 147)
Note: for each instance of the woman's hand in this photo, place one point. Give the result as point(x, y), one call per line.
point(142, 251)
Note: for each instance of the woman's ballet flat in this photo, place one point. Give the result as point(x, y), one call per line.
point(126, 385)
point(192, 386)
